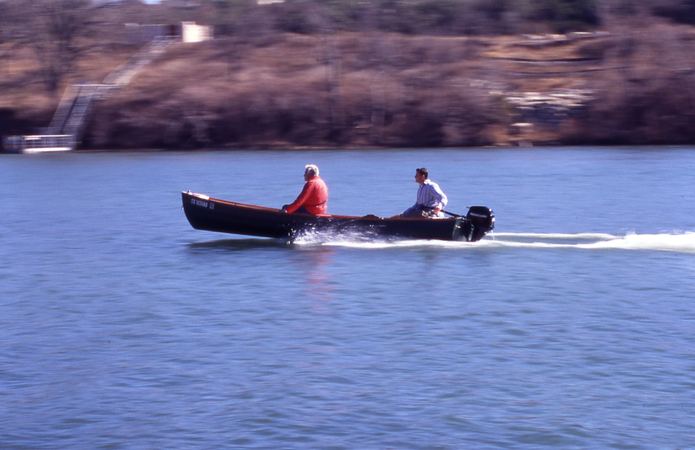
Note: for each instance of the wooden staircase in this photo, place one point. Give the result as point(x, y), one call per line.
point(65, 130)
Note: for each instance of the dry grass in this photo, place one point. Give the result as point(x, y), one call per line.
point(294, 92)
point(26, 103)
point(378, 90)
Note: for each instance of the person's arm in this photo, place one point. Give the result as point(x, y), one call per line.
point(443, 200)
point(300, 200)
point(436, 198)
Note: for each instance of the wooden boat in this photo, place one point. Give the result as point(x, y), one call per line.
point(212, 214)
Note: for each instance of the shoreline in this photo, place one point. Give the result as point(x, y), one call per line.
point(431, 92)
point(323, 149)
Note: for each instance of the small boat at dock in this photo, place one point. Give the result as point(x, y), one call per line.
point(213, 214)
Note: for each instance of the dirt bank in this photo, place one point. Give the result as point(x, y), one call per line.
point(387, 89)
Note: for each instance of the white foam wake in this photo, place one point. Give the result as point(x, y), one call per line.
point(556, 235)
point(681, 242)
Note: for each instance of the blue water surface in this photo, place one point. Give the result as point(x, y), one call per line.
point(573, 327)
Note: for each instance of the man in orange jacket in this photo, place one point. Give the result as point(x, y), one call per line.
point(314, 196)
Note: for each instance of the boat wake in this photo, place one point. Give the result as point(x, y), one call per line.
point(680, 242)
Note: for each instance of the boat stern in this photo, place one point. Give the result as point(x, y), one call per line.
point(479, 221)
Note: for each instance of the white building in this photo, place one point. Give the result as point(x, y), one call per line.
point(192, 32)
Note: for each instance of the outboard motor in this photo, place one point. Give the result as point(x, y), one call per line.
point(481, 220)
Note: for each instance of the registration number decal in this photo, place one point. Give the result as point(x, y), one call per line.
point(202, 203)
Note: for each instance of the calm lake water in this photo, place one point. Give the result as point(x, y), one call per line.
point(574, 327)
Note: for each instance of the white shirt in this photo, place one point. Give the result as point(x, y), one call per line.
point(430, 195)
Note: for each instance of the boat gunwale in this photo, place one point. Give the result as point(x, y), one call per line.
point(322, 216)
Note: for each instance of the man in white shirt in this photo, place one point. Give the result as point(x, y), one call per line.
point(431, 200)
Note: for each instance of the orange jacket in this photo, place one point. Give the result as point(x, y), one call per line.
point(314, 197)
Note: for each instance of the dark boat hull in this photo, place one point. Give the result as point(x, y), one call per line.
point(211, 214)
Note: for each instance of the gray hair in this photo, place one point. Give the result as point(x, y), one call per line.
point(312, 169)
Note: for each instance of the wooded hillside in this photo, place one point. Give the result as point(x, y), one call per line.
point(371, 73)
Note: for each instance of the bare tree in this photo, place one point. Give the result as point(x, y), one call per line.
point(331, 59)
point(51, 28)
point(377, 59)
point(10, 31)
point(4, 33)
